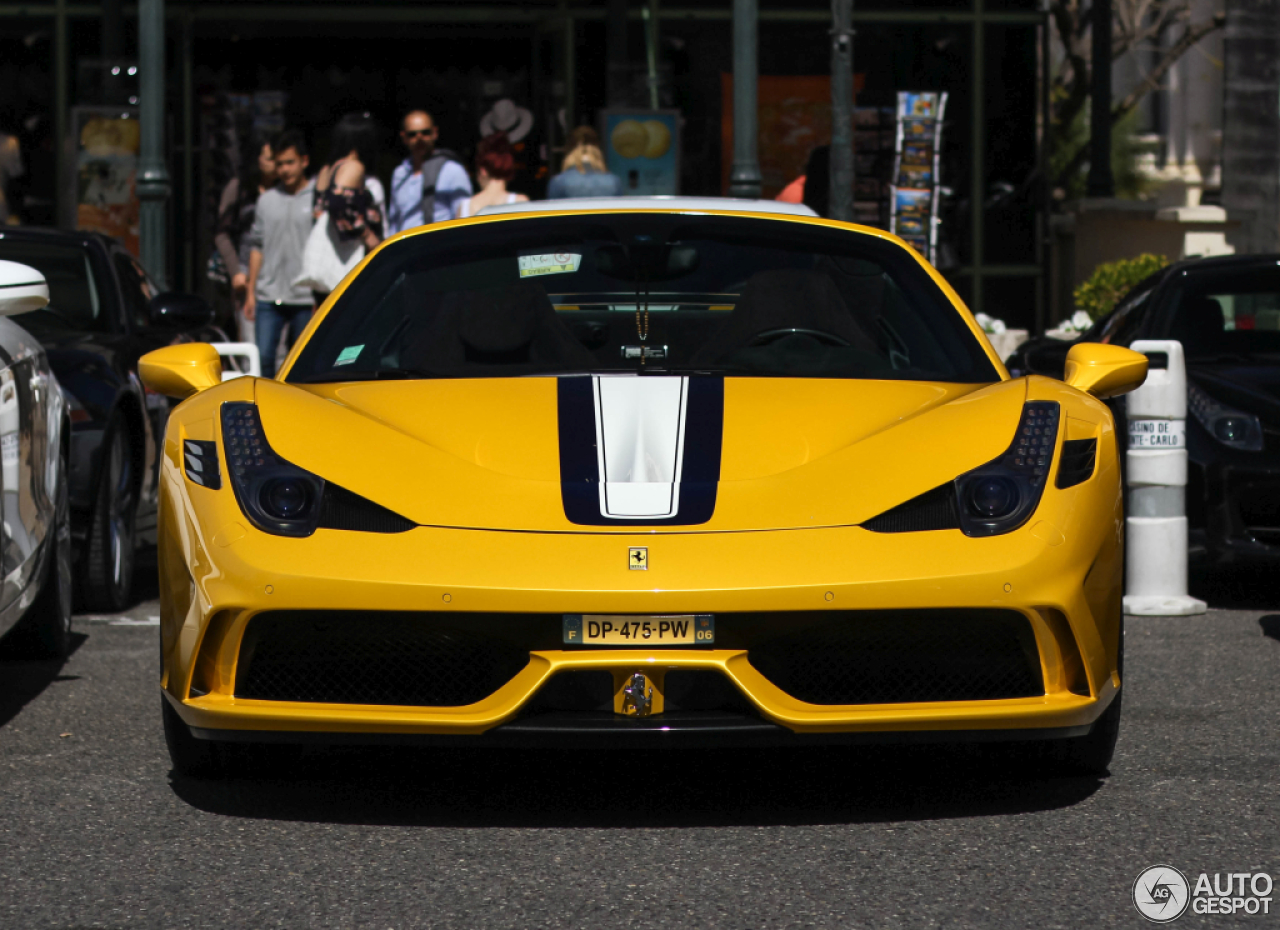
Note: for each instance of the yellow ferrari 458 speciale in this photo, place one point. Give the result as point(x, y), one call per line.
point(646, 474)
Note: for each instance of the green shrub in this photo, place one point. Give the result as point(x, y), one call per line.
point(1112, 280)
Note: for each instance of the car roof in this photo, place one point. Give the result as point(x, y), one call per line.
point(682, 204)
point(1225, 262)
point(68, 236)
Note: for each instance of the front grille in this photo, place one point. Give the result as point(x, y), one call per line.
point(342, 510)
point(1078, 459)
point(349, 657)
point(932, 510)
point(895, 657)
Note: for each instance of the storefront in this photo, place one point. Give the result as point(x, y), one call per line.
point(237, 64)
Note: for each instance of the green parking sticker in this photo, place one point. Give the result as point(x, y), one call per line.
point(348, 355)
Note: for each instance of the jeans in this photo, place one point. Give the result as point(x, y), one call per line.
point(270, 321)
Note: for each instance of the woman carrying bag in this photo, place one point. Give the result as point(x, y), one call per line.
point(349, 209)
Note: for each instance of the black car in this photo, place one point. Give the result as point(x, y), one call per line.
point(1226, 313)
point(103, 313)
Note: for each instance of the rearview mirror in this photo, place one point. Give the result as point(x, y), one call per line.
point(182, 370)
point(646, 261)
point(173, 310)
point(1104, 371)
point(22, 289)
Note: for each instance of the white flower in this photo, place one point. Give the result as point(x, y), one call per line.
point(1081, 320)
point(990, 324)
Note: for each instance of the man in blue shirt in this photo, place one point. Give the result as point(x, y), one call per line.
point(406, 198)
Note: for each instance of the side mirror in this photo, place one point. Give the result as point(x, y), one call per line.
point(22, 289)
point(1048, 359)
point(182, 370)
point(1104, 371)
point(175, 311)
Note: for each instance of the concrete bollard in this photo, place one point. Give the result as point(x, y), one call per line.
point(243, 350)
point(1156, 523)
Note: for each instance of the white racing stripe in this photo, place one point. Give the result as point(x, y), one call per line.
point(640, 444)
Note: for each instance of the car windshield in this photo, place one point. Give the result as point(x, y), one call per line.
point(73, 295)
point(1228, 314)
point(643, 293)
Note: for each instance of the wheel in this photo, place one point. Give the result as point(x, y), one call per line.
point(191, 757)
point(45, 631)
point(108, 570)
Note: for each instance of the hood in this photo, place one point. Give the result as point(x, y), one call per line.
point(529, 453)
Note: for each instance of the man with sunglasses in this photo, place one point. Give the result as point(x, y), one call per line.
point(426, 185)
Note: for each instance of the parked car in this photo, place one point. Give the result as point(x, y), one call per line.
point(35, 545)
point(1226, 313)
point(104, 312)
point(645, 472)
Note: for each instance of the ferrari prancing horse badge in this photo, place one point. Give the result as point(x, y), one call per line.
point(638, 559)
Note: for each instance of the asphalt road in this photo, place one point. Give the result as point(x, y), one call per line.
point(96, 833)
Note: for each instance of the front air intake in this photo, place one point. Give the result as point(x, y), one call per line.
point(904, 656)
point(375, 657)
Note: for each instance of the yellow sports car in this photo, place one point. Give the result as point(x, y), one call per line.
point(649, 474)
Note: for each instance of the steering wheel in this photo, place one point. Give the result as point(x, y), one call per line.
point(773, 335)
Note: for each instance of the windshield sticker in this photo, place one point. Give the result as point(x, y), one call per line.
point(555, 263)
point(348, 355)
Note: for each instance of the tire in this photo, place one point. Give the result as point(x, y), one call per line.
point(1091, 755)
point(109, 551)
point(45, 631)
point(192, 757)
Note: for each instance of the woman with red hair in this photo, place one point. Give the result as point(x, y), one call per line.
point(495, 166)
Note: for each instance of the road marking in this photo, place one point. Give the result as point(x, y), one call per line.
point(130, 621)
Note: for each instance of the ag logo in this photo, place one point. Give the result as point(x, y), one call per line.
point(638, 558)
point(1161, 894)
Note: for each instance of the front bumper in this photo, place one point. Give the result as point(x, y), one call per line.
point(1233, 512)
point(1061, 574)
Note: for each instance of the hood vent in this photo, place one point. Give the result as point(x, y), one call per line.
point(1078, 459)
point(201, 461)
point(932, 510)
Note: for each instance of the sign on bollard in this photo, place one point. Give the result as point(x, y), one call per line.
point(1156, 522)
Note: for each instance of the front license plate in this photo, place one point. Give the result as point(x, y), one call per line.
point(649, 630)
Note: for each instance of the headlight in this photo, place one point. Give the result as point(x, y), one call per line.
point(278, 496)
point(1232, 428)
point(1000, 496)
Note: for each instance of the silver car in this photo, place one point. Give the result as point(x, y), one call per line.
point(35, 549)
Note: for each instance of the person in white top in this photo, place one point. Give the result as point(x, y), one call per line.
point(495, 166)
point(350, 172)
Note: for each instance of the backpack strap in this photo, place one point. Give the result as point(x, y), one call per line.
point(431, 169)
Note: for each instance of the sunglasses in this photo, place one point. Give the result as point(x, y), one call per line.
point(414, 133)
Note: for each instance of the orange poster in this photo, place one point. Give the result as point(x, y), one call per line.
point(795, 117)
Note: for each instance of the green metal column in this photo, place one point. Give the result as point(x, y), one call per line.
point(744, 178)
point(188, 156)
point(841, 206)
point(978, 154)
point(153, 176)
point(64, 212)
